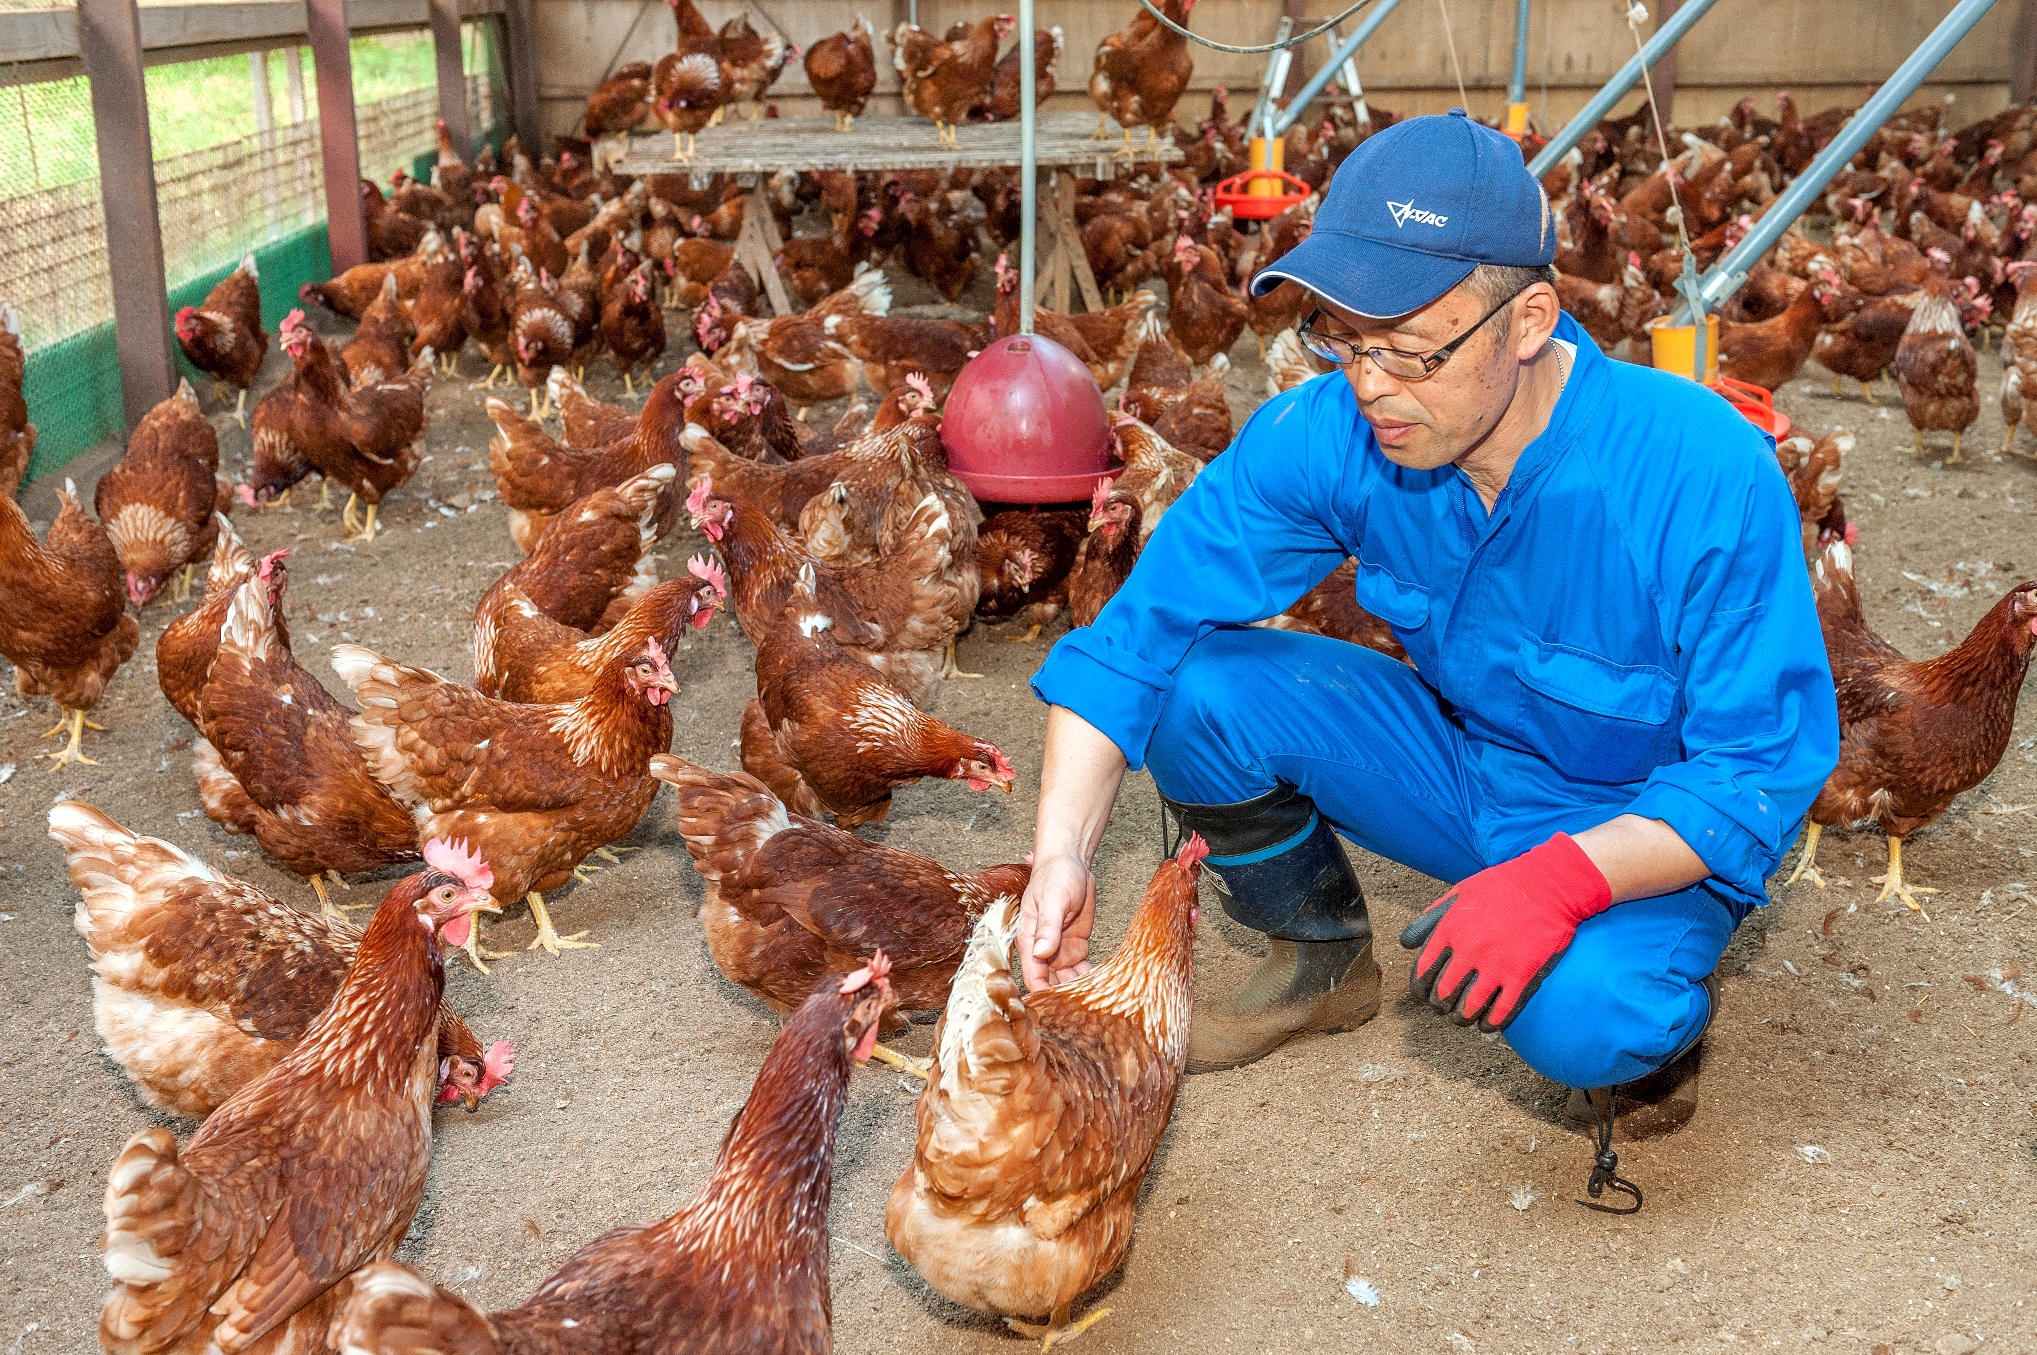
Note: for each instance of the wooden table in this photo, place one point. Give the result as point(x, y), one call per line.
point(1063, 143)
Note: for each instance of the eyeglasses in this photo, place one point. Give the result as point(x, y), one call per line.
point(1392, 361)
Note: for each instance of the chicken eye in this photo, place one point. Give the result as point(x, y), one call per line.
point(446, 894)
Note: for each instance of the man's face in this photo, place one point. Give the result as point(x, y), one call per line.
point(1432, 422)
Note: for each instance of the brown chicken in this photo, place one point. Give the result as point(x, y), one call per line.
point(1331, 608)
point(2019, 354)
point(439, 314)
point(541, 330)
point(533, 659)
point(899, 614)
point(1768, 353)
point(65, 627)
point(742, 1267)
point(589, 566)
point(941, 246)
point(1103, 341)
point(1003, 104)
point(1141, 71)
point(350, 292)
point(391, 234)
point(1105, 558)
point(537, 788)
point(632, 325)
point(688, 93)
point(1913, 734)
point(1156, 473)
point(1289, 363)
point(1042, 1112)
point(309, 1171)
point(185, 650)
point(538, 476)
point(224, 337)
point(1204, 314)
point(797, 354)
point(868, 468)
point(1813, 469)
point(621, 103)
point(816, 265)
point(1861, 333)
point(202, 982)
point(790, 899)
point(369, 439)
point(829, 736)
point(17, 434)
point(1935, 367)
point(1023, 559)
point(585, 422)
point(381, 347)
point(893, 348)
point(275, 759)
point(750, 64)
point(158, 502)
point(1190, 414)
point(945, 82)
point(842, 69)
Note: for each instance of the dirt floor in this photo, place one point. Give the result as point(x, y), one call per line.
point(1859, 1178)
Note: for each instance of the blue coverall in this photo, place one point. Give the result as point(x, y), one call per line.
point(1629, 631)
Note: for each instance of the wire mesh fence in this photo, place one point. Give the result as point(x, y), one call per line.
point(238, 170)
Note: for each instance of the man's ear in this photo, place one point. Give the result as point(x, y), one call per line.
point(1535, 312)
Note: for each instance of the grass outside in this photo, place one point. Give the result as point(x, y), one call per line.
point(47, 138)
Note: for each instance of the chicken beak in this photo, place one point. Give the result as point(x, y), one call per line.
point(455, 929)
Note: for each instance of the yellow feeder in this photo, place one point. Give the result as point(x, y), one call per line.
point(1676, 347)
point(1267, 154)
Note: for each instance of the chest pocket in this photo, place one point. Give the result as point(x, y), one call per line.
point(1593, 719)
point(1404, 606)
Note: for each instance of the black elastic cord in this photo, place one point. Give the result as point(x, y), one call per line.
point(1293, 41)
point(1170, 840)
point(1605, 1169)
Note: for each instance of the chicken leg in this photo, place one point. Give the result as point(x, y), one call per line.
point(364, 531)
point(905, 1063)
point(1059, 1330)
point(1894, 884)
point(949, 668)
point(76, 722)
point(548, 936)
point(1807, 862)
point(1957, 434)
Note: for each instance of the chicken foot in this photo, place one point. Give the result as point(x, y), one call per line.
point(1059, 1330)
point(75, 721)
point(325, 904)
point(548, 936)
point(1894, 884)
point(357, 529)
point(949, 668)
point(922, 1069)
point(183, 589)
point(1807, 862)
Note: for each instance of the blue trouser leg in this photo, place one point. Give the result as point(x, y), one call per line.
point(1367, 741)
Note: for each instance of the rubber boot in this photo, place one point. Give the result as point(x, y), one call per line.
point(1281, 870)
point(1663, 1101)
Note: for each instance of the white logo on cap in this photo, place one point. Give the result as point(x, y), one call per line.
point(1404, 212)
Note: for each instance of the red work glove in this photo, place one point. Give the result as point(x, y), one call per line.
point(1488, 944)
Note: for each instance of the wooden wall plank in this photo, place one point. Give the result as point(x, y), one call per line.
point(109, 34)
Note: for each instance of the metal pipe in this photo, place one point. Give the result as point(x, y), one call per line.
point(1725, 277)
point(1029, 196)
point(1262, 107)
point(1517, 88)
point(1349, 50)
point(1616, 88)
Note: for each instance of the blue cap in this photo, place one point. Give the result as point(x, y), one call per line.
point(1412, 211)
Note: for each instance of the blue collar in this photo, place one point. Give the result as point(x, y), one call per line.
point(1579, 397)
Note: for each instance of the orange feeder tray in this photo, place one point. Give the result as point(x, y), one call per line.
point(1235, 193)
point(1756, 404)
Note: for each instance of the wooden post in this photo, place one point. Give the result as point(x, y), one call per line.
point(1663, 75)
point(332, 63)
point(293, 82)
point(258, 76)
point(519, 27)
point(2023, 70)
point(452, 74)
point(109, 43)
point(757, 247)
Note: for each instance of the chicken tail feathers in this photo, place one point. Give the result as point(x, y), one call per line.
point(165, 1265)
point(114, 870)
point(392, 1310)
point(986, 1026)
point(725, 818)
point(1838, 596)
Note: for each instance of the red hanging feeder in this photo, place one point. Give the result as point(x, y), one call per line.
point(1235, 193)
point(1025, 423)
point(1756, 404)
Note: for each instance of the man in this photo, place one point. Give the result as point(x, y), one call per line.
point(1619, 707)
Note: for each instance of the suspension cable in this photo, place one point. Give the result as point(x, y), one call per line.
point(1295, 41)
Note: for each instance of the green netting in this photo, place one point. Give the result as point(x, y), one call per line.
point(73, 384)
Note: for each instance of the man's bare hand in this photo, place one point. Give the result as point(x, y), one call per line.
point(1055, 920)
